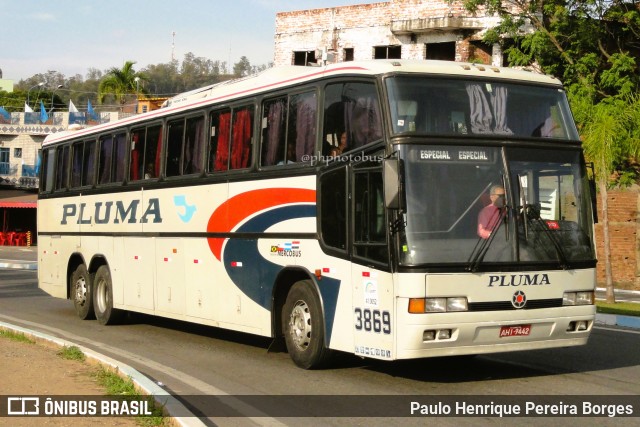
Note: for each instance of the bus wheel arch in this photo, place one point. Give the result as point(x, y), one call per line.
point(80, 287)
point(303, 325)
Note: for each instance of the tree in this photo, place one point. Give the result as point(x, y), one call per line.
point(242, 67)
point(121, 82)
point(594, 47)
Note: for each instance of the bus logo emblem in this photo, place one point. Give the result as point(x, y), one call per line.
point(519, 299)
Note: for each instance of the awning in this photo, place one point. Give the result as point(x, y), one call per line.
point(18, 199)
point(18, 204)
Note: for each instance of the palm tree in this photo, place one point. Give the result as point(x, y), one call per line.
point(120, 83)
point(609, 134)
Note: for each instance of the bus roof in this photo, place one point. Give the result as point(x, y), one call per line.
point(278, 77)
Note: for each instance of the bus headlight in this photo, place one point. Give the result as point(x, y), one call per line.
point(578, 298)
point(437, 305)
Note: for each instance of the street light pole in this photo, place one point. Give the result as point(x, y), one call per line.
point(52, 94)
point(137, 80)
point(29, 91)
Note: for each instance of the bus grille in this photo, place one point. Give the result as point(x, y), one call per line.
point(506, 305)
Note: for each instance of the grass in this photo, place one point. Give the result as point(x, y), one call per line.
point(16, 336)
point(115, 385)
point(71, 353)
point(623, 308)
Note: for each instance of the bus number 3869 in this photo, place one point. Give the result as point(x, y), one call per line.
point(373, 320)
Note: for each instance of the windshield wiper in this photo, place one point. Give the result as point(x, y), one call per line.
point(532, 213)
point(482, 245)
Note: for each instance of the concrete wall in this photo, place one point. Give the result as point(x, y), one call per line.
point(409, 23)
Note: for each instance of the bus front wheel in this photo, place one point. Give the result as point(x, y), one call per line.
point(103, 298)
point(303, 326)
point(82, 292)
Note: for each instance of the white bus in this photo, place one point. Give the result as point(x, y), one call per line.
point(335, 208)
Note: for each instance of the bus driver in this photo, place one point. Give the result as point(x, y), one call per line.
point(489, 217)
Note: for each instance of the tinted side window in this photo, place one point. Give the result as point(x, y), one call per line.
point(145, 150)
point(175, 144)
point(62, 167)
point(88, 162)
point(241, 137)
point(333, 208)
point(194, 144)
point(274, 120)
point(218, 157)
point(369, 226)
point(76, 165)
point(351, 108)
point(105, 159)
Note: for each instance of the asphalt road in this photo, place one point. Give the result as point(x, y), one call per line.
point(193, 360)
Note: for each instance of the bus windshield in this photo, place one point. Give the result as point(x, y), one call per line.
point(436, 106)
point(464, 207)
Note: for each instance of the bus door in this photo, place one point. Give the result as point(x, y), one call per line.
point(373, 290)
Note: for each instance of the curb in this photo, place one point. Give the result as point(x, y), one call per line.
point(144, 384)
point(618, 320)
point(17, 264)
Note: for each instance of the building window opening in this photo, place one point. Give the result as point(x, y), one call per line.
point(304, 58)
point(441, 51)
point(387, 52)
point(348, 54)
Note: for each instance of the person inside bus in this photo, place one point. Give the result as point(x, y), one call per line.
point(336, 151)
point(148, 173)
point(490, 216)
point(291, 155)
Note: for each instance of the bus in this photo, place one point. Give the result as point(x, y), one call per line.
point(334, 209)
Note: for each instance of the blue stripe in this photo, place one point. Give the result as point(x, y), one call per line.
point(257, 275)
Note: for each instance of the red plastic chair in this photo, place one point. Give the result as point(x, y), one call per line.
point(3, 239)
point(9, 236)
point(20, 239)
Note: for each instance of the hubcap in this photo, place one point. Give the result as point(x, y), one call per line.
point(300, 325)
point(81, 291)
point(101, 296)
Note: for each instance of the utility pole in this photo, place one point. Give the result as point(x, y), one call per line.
point(173, 46)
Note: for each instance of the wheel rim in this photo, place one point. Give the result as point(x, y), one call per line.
point(81, 291)
point(300, 325)
point(101, 296)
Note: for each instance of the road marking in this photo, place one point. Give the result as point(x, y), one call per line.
point(617, 330)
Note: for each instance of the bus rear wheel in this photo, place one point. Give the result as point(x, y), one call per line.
point(82, 292)
point(103, 298)
point(303, 326)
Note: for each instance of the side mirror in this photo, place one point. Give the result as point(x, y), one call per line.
point(391, 183)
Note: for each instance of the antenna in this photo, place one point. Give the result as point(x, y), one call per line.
point(173, 46)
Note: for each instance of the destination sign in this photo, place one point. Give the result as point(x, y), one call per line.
point(455, 154)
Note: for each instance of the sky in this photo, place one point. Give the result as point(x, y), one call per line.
point(71, 37)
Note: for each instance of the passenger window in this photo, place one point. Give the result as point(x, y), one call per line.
point(88, 162)
point(145, 150)
point(104, 161)
point(76, 164)
point(351, 108)
point(241, 136)
point(219, 141)
point(62, 169)
point(194, 146)
point(174, 148)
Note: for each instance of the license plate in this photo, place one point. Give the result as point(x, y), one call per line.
point(515, 331)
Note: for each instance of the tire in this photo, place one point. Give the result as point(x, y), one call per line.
point(303, 326)
point(82, 292)
point(103, 298)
